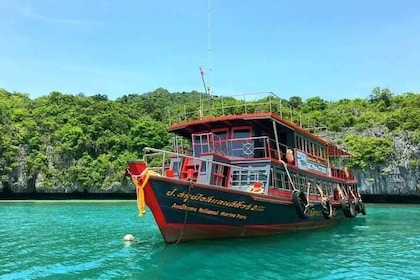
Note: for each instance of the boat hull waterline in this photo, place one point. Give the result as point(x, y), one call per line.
point(186, 210)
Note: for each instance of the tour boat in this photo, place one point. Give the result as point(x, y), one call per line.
point(244, 173)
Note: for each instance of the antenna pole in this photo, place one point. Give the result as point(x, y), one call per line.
point(205, 89)
point(209, 40)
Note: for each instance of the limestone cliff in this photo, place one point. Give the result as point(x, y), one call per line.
point(396, 176)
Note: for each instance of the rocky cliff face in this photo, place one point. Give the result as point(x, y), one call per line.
point(22, 182)
point(396, 176)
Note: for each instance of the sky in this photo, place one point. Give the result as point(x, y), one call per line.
point(306, 48)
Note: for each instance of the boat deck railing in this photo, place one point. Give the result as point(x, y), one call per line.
point(249, 147)
point(167, 162)
point(258, 102)
point(241, 178)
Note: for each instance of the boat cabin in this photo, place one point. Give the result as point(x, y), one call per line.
point(239, 150)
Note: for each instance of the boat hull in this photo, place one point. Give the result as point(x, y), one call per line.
point(187, 210)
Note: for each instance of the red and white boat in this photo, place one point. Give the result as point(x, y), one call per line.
point(246, 174)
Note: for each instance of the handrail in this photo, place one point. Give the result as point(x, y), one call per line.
point(258, 146)
point(158, 151)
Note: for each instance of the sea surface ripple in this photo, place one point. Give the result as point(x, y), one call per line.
point(83, 240)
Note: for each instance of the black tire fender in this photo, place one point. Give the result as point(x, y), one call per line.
point(349, 208)
point(300, 202)
point(361, 207)
point(326, 209)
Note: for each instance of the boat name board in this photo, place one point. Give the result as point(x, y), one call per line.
point(306, 162)
point(207, 211)
point(212, 200)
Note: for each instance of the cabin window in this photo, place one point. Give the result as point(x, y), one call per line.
point(299, 141)
point(203, 168)
point(310, 147)
point(283, 180)
point(176, 167)
point(280, 180)
point(327, 188)
point(200, 138)
point(201, 143)
point(247, 177)
point(222, 134)
point(302, 183)
point(241, 133)
point(219, 175)
point(275, 178)
point(302, 144)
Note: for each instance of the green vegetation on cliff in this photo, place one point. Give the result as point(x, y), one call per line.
point(86, 140)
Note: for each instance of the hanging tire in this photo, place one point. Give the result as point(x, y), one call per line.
point(326, 209)
point(349, 208)
point(362, 208)
point(300, 202)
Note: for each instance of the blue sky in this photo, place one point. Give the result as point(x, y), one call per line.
point(328, 48)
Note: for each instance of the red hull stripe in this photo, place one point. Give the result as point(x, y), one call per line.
point(173, 233)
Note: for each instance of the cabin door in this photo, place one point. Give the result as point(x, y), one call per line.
point(219, 175)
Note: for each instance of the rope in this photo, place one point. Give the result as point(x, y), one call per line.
point(307, 195)
point(340, 191)
point(321, 192)
point(325, 200)
point(354, 196)
point(141, 204)
point(190, 186)
point(288, 175)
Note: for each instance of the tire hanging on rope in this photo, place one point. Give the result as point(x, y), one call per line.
point(300, 202)
point(326, 209)
point(360, 206)
point(349, 207)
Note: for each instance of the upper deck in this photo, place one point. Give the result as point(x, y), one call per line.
point(252, 115)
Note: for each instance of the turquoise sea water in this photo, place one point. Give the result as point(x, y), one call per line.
point(83, 240)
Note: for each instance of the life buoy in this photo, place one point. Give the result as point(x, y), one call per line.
point(300, 202)
point(360, 207)
point(326, 209)
point(248, 149)
point(349, 208)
